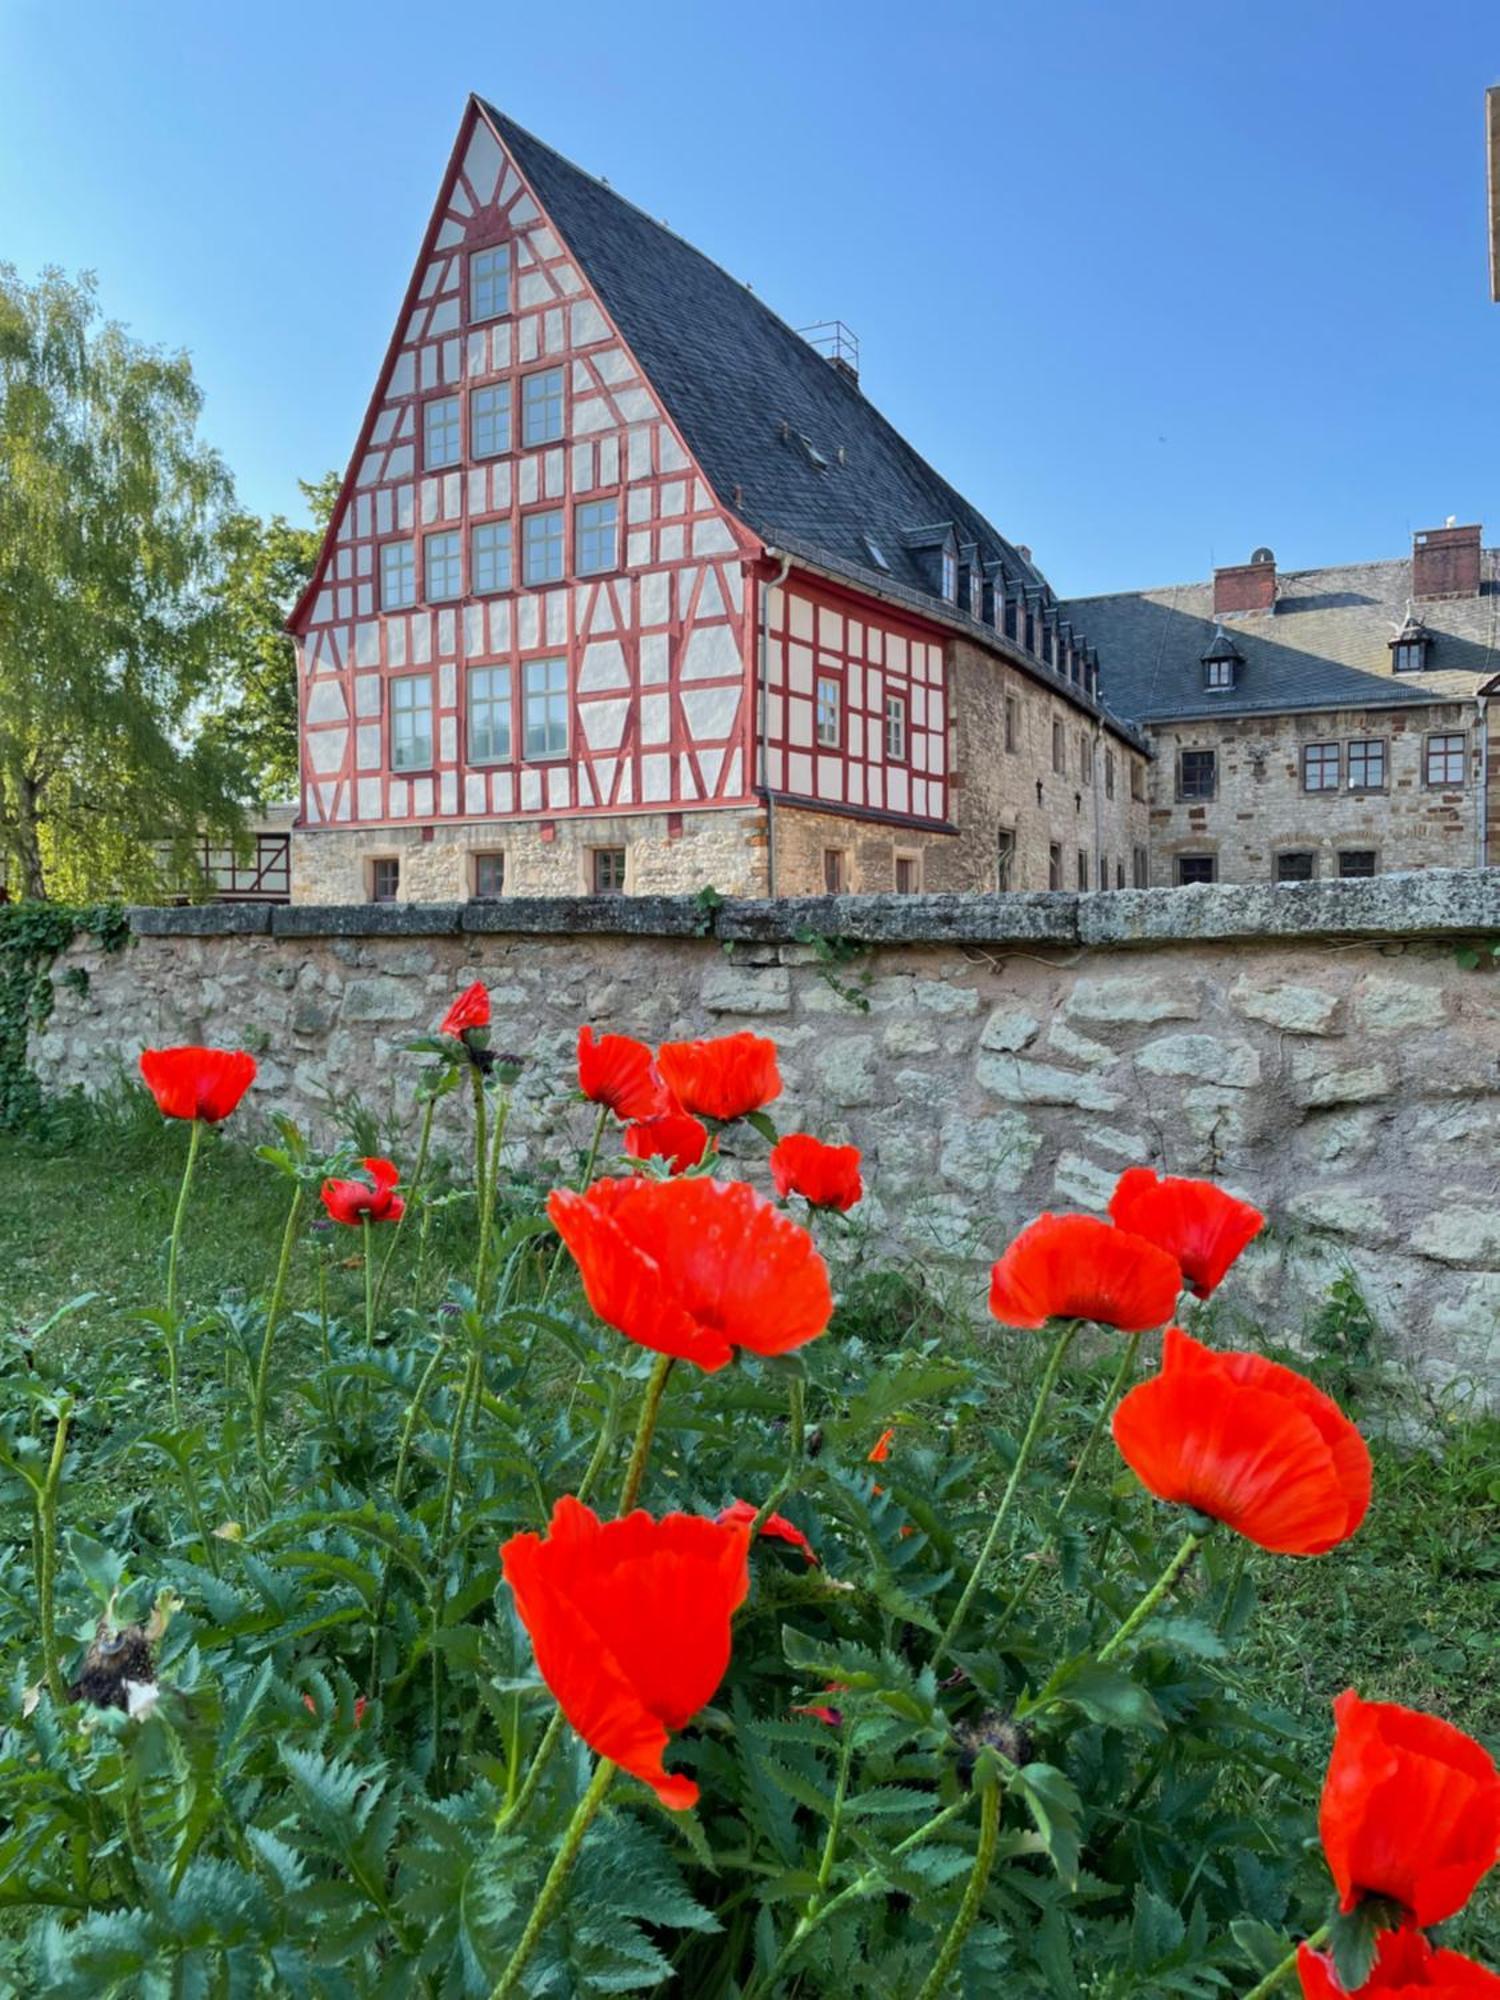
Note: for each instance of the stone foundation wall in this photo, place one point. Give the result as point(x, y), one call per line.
point(1316, 1047)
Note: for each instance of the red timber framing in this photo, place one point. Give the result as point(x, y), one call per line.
point(655, 643)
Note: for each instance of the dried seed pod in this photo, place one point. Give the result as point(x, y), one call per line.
point(113, 1659)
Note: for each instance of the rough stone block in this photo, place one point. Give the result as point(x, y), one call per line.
point(1131, 1001)
point(1344, 1211)
point(1390, 1006)
point(1295, 1010)
point(743, 989)
point(1203, 1058)
point(202, 920)
point(381, 998)
point(1009, 1028)
point(1462, 1234)
point(1318, 1079)
point(988, 1155)
point(1023, 1082)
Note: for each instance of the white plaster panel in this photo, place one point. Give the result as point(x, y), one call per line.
point(588, 324)
point(369, 798)
point(604, 723)
point(654, 657)
point(325, 749)
point(325, 702)
point(656, 777)
point(711, 651)
point(603, 666)
point(367, 747)
point(710, 712)
point(656, 718)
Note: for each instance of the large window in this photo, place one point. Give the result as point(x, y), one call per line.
point(443, 556)
point(411, 722)
point(489, 282)
point(441, 444)
point(596, 536)
point(542, 547)
point(1446, 760)
point(1366, 765)
point(895, 728)
point(1320, 767)
point(489, 421)
point(489, 557)
point(1196, 868)
point(1197, 774)
point(830, 731)
point(489, 714)
point(546, 697)
point(398, 576)
point(542, 407)
point(1297, 865)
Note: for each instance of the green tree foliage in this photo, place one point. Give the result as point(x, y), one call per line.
point(113, 514)
point(269, 564)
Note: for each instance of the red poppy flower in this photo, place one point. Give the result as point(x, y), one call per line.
point(470, 1010)
point(1406, 1968)
point(618, 1071)
point(197, 1083)
point(1076, 1267)
point(826, 1176)
point(629, 1621)
point(1249, 1442)
point(352, 1201)
point(694, 1268)
point(740, 1514)
point(1201, 1226)
point(880, 1451)
point(726, 1077)
point(1410, 1809)
point(676, 1137)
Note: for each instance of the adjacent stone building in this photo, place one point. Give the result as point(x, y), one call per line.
point(1326, 722)
point(630, 588)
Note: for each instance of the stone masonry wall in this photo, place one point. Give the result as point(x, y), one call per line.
point(1315, 1047)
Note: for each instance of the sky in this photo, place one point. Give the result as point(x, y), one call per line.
point(1153, 282)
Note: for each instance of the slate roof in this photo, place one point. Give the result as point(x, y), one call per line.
point(1325, 645)
point(746, 390)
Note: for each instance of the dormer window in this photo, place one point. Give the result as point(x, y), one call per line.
point(1221, 664)
point(950, 576)
point(1409, 647)
point(976, 592)
point(877, 553)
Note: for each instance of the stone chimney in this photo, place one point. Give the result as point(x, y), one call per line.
point(1445, 561)
point(1247, 586)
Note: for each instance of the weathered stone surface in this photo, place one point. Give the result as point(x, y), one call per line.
point(1344, 1211)
point(1010, 1028)
point(1461, 1234)
point(1320, 1078)
point(1082, 1183)
point(1203, 1058)
point(848, 1072)
point(203, 920)
point(1024, 1082)
point(1295, 1010)
point(988, 1155)
point(1062, 1041)
point(1136, 999)
point(1387, 1006)
point(743, 989)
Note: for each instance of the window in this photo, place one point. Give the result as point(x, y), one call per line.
point(1446, 760)
point(609, 871)
point(595, 532)
point(1109, 778)
point(828, 729)
point(1300, 866)
point(835, 871)
point(385, 879)
point(542, 547)
point(1054, 866)
point(1320, 767)
point(1409, 656)
point(1083, 868)
point(877, 553)
point(545, 683)
point(1059, 749)
point(1119, 873)
point(895, 728)
point(1138, 781)
point(1366, 766)
point(1196, 868)
point(1355, 862)
point(542, 407)
point(489, 282)
point(489, 876)
point(1140, 867)
point(1086, 759)
point(1012, 723)
point(908, 874)
point(489, 421)
point(411, 722)
point(1218, 674)
point(489, 714)
point(1005, 858)
point(1197, 774)
point(443, 557)
point(950, 576)
point(398, 576)
point(489, 557)
point(440, 439)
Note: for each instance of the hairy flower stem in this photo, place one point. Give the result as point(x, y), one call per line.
point(273, 1315)
point(1029, 1442)
point(1186, 1551)
point(830, 1844)
point(984, 1860)
point(557, 1875)
point(1287, 1967)
point(423, 1146)
point(1122, 1376)
point(519, 1797)
point(398, 1487)
point(584, 1185)
point(46, 1507)
point(481, 1150)
point(645, 1430)
point(194, 1141)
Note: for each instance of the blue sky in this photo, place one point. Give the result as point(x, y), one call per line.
point(1152, 281)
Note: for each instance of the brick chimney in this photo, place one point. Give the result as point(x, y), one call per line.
point(1247, 586)
point(1445, 561)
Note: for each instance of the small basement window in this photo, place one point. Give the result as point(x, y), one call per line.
point(1193, 868)
point(385, 879)
point(489, 876)
point(1299, 865)
point(1356, 863)
point(609, 871)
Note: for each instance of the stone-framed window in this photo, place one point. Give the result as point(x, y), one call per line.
point(490, 566)
point(443, 567)
point(1445, 761)
point(489, 875)
point(1140, 867)
point(489, 282)
point(398, 575)
point(1358, 863)
point(489, 420)
point(544, 694)
point(1109, 776)
point(1054, 865)
point(1059, 749)
point(1366, 766)
point(1322, 764)
point(411, 722)
point(489, 714)
point(1196, 868)
point(1005, 859)
point(608, 871)
point(441, 438)
point(908, 874)
point(384, 878)
point(542, 406)
point(1138, 781)
point(1197, 774)
point(1296, 864)
point(1012, 724)
point(835, 871)
point(1085, 757)
point(1083, 868)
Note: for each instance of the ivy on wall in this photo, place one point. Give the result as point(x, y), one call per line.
point(31, 937)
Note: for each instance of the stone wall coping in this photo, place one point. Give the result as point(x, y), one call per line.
point(1434, 903)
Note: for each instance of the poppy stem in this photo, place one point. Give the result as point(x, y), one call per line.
point(1029, 1443)
point(488, 1188)
point(584, 1185)
point(1122, 1376)
point(194, 1140)
point(936, 1982)
point(398, 1487)
point(1287, 1967)
point(1187, 1549)
point(46, 1507)
point(516, 1805)
point(273, 1314)
point(645, 1430)
point(557, 1875)
point(423, 1145)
